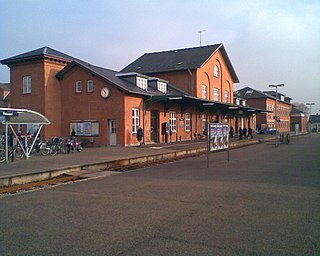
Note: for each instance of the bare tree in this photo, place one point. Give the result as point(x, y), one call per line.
point(301, 106)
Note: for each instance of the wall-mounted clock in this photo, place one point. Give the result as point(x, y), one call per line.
point(105, 92)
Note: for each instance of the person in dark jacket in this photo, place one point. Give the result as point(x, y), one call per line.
point(240, 133)
point(231, 132)
point(140, 135)
point(250, 133)
point(245, 132)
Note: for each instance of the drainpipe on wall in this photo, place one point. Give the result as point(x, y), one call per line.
point(144, 118)
point(192, 93)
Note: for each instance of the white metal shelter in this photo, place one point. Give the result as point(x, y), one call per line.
point(15, 116)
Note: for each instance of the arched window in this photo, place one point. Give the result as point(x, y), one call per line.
point(216, 71)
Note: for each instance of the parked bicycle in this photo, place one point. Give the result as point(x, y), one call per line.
point(13, 153)
point(74, 145)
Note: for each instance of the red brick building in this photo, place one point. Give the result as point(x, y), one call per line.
point(267, 100)
point(172, 95)
point(299, 120)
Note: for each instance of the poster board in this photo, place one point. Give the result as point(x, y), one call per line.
point(218, 136)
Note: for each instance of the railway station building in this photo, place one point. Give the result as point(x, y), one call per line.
point(171, 95)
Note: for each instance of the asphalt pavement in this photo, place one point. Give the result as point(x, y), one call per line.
point(264, 201)
point(38, 164)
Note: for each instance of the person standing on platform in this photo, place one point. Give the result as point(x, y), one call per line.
point(140, 135)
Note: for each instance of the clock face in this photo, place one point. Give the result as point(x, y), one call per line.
point(105, 92)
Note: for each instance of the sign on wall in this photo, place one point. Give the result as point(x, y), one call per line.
point(218, 136)
point(85, 128)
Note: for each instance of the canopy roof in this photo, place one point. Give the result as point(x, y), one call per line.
point(22, 116)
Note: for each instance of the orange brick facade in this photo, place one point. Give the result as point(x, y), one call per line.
point(267, 120)
point(112, 117)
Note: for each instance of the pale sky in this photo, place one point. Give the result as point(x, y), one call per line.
point(268, 42)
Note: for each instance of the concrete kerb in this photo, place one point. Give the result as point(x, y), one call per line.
point(102, 166)
point(38, 176)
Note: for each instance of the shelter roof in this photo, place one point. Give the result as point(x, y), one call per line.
point(22, 116)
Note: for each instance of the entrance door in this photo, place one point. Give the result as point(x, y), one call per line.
point(155, 125)
point(112, 133)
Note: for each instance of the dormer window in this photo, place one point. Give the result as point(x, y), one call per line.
point(216, 71)
point(162, 87)
point(142, 83)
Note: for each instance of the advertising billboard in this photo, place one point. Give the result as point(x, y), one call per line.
point(218, 136)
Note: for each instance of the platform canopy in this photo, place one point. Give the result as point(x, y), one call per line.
point(16, 116)
point(22, 116)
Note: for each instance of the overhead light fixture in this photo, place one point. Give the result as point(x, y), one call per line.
point(233, 107)
point(207, 104)
point(175, 98)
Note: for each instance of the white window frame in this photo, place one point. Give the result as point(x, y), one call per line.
point(78, 86)
point(142, 83)
point(173, 121)
point(90, 86)
point(162, 87)
point(226, 96)
point(204, 91)
point(204, 122)
point(27, 84)
point(216, 71)
point(135, 119)
point(187, 122)
point(216, 94)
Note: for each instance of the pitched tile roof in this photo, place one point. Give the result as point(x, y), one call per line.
point(38, 53)
point(314, 118)
point(250, 93)
point(178, 60)
point(111, 76)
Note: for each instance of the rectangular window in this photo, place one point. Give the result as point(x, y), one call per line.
point(27, 81)
point(142, 83)
point(216, 71)
point(188, 122)
point(173, 121)
point(216, 94)
point(89, 86)
point(135, 120)
point(78, 87)
point(204, 92)
point(226, 96)
point(162, 87)
point(204, 122)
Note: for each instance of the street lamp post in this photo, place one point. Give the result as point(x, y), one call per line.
point(310, 104)
point(276, 110)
